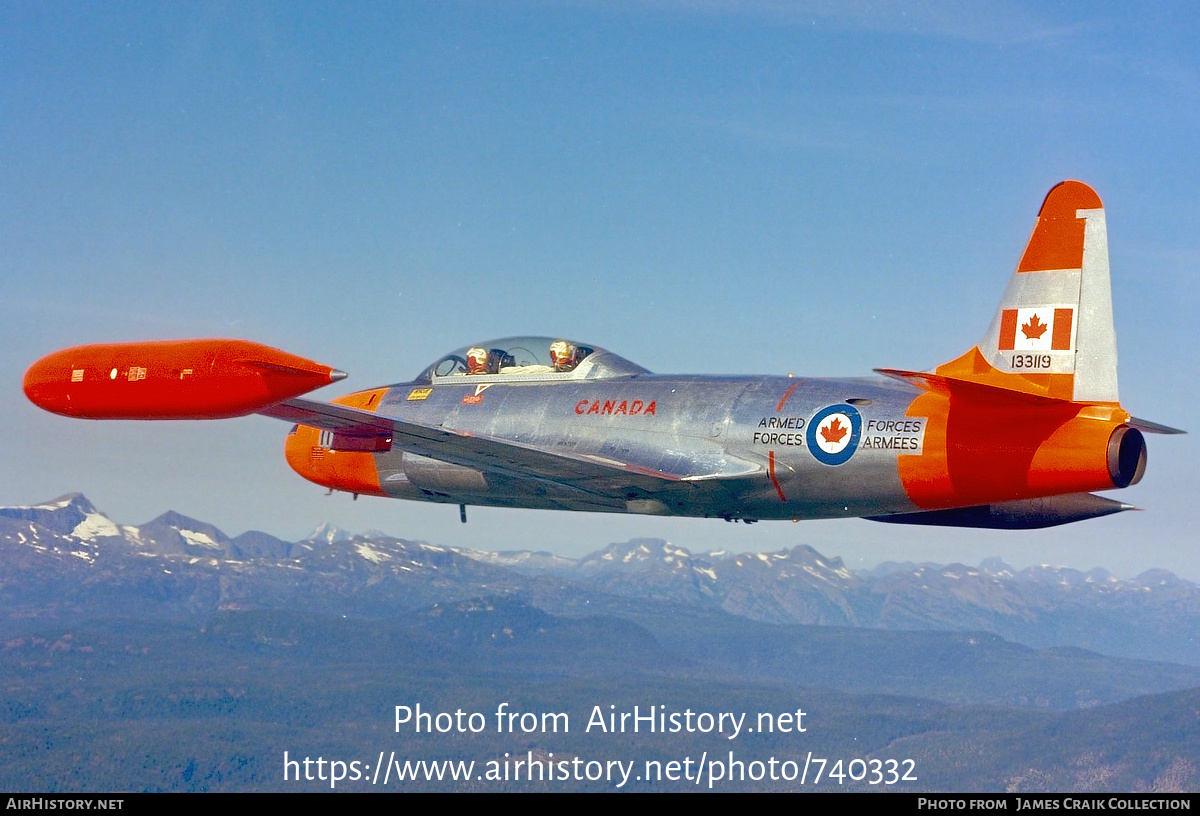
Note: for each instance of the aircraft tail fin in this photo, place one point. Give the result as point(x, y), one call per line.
point(1053, 334)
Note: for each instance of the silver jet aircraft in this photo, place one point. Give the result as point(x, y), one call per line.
point(1015, 433)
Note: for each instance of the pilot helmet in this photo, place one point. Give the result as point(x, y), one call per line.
point(562, 355)
point(477, 360)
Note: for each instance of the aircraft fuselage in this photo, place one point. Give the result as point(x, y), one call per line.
point(759, 447)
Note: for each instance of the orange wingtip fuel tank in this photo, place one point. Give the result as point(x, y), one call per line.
point(172, 379)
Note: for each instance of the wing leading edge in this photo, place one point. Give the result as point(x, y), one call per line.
point(358, 429)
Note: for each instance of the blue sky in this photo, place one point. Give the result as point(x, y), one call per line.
point(711, 187)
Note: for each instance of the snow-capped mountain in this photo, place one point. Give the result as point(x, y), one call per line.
point(66, 548)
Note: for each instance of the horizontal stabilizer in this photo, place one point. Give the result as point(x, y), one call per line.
point(1153, 427)
point(965, 389)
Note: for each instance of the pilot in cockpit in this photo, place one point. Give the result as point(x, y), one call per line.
point(477, 361)
point(564, 355)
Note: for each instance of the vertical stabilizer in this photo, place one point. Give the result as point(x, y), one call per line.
point(1053, 333)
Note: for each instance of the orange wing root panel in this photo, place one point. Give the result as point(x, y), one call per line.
point(349, 471)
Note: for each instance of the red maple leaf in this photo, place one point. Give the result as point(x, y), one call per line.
point(833, 432)
point(1035, 328)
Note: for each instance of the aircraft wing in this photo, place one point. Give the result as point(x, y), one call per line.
point(354, 426)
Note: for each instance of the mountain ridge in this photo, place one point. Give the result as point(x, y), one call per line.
point(190, 567)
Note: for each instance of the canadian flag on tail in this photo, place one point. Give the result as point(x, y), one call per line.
point(1052, 335)
point(1040, 328)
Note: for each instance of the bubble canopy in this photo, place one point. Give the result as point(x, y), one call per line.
point(529, 357)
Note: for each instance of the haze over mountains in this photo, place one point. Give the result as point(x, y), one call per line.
point(184, 566)
point(196, 650)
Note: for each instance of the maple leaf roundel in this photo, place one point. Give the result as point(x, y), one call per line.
point(833, 434)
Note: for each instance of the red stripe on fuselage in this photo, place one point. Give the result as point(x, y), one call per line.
point(771, 470)
point(785, 397)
